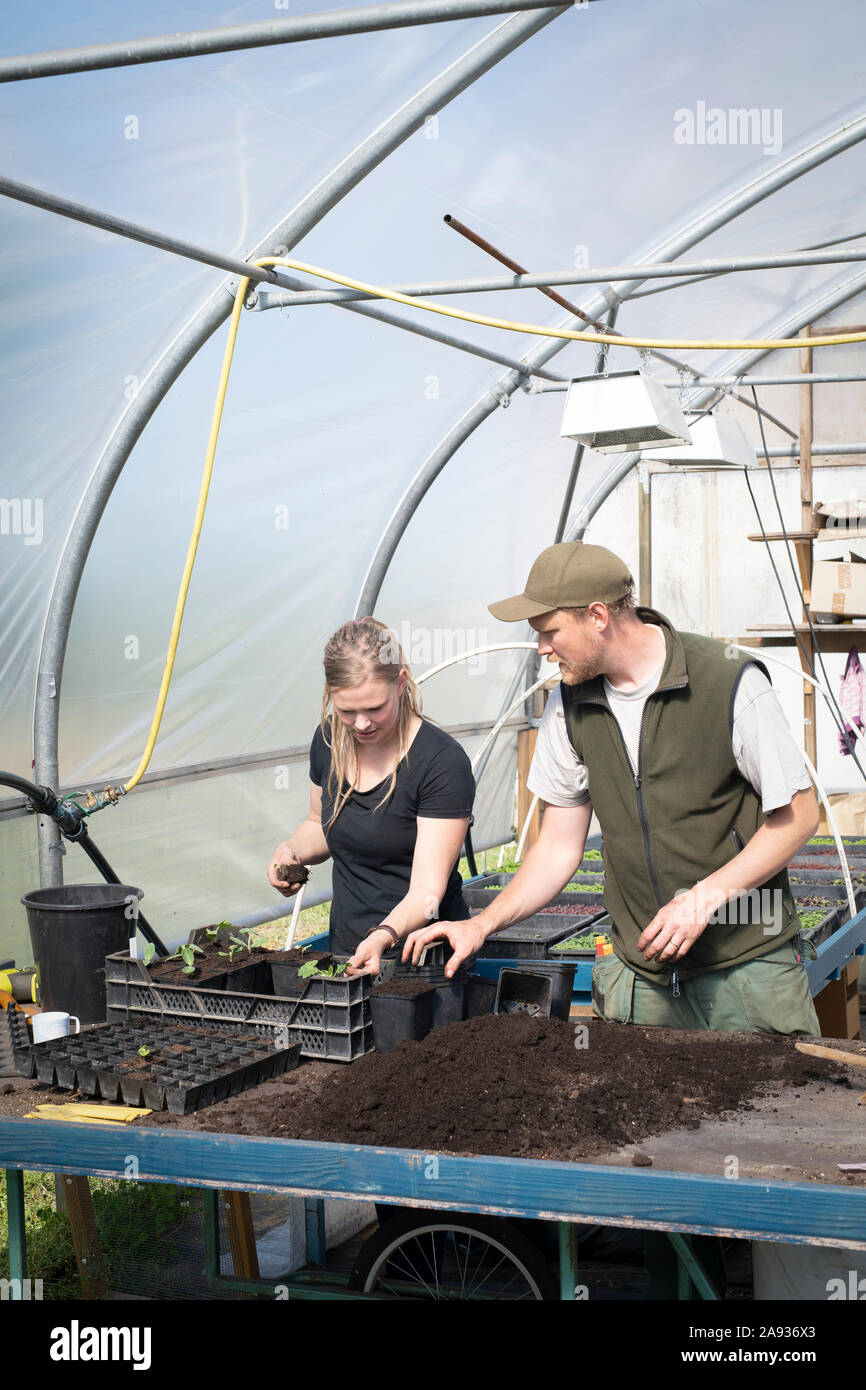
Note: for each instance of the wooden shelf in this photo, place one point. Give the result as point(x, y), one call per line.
point(832, 637)
point(841, 534)
point(789, 535)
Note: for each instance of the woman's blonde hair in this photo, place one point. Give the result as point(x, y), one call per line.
point(361, 650)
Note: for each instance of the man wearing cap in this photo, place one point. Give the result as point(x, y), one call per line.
point(681, 748)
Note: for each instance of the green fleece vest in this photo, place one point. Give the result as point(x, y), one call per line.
point(685, 813)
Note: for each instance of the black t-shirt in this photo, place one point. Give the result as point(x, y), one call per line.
point(372, 845)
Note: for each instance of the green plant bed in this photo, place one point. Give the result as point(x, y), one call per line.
point(811, 919)
point(586, 942)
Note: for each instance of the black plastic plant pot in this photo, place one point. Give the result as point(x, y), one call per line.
point(479, 996)
point(561, 974)
point(448, 1004)
point(524, 991)
point(248, 979)
point(401, 1017)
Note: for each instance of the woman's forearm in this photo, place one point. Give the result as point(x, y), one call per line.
point(307, 844)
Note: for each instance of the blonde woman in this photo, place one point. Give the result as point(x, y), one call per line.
point(390, 800)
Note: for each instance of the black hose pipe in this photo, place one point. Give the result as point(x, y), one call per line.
point(73, 825)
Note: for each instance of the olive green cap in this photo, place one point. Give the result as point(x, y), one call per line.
point(569, 575)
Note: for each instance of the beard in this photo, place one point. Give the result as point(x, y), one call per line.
point(589, 665)
point(576, 675)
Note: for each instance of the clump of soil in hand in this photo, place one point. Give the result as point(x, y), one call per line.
point(517, 1086)
point(293, 873)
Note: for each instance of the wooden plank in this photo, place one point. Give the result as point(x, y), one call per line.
point(838, 1006)
point(82, 1221)
point(816, 1213)
point(242, 1238)
point(526, 741)
point(644, 529)
point(806, 535)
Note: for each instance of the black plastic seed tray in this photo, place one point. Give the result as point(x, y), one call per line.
point(184, 1069)
point(533, 938)
point(14, 1039)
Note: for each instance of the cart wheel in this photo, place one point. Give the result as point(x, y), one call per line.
point(452, 1256)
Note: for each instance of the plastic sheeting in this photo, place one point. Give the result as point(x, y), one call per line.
point(574, 150)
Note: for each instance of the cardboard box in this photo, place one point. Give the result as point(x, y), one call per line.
point(839, 587)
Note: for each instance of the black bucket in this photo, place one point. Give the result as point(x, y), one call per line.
point(72, 929)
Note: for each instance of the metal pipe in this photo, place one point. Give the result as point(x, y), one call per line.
point(817, 151)
point(231, 38)
point(698, 379)
point(542, 280)
point(53, 202)
point(427, 330)
point(387, 137)
point(518, 269)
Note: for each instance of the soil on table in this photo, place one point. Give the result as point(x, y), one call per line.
point(292, 873)
point(519, 1086)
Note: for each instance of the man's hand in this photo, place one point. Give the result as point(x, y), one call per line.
point(465, 938)
point(676, 927)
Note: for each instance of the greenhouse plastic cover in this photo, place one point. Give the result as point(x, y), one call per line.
point(589, 144)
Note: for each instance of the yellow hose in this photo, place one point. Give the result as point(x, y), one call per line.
point(576, 335)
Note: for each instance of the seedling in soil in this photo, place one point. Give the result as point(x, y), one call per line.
point(144, 1051)
point(149, 952)
point(187, 954)
point(248, 942)
point(305, 972)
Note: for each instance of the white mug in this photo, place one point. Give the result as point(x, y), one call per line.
point(53, 1025)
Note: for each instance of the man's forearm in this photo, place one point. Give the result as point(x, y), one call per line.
point(546, 869)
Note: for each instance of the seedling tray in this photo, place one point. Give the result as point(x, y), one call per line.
point(532, 939)
point(329, 1016)
point(185, 1070)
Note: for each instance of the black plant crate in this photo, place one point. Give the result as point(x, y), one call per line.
point(329, 1017)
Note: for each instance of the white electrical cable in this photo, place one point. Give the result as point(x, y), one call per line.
point(522, 697)
point(802, 675)
point(476, 651)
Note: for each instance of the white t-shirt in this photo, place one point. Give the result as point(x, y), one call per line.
point(762, 744)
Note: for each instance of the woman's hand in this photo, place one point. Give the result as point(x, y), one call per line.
point(367, 959)
point(283, 854)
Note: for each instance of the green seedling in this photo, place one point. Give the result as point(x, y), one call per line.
point(144, 1051)
point(250, 941)
point(311, 967)
point(187, 954)
point(149, 952)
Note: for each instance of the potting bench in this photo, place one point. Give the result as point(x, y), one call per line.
point(783, 1186)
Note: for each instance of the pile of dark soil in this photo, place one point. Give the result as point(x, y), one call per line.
point(519, 1086)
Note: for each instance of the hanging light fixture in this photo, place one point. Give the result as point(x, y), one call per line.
point(718, 440)
point(622, 411)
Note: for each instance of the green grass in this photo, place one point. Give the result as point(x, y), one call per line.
point(132, 1220)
